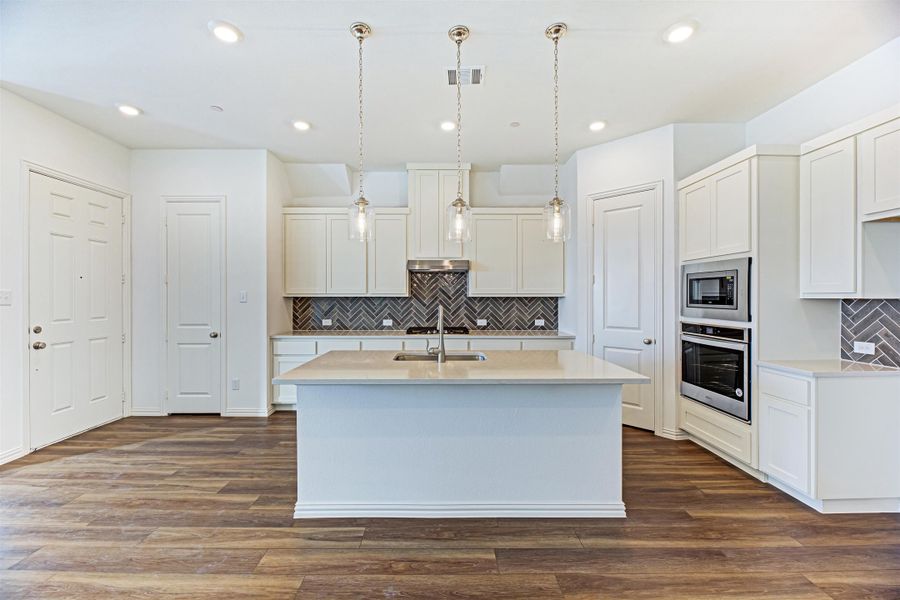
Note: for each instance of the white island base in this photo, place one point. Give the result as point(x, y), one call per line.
point(400, 442)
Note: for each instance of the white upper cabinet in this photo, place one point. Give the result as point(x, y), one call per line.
point(321, 260)
point(828, 221)
point(879, 171)
point(715, 218)
point(304, 255)
point(431, 191)
point(510, 255)
point(542, 263)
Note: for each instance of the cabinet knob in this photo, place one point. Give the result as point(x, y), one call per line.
point(213, 334)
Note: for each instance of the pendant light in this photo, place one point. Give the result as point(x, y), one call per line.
point(459, 215)
point(360, 225)
point(557, 214)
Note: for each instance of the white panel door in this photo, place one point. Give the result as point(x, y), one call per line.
point(75, 307)
point(694, 226)
point(304, 255)
point(387, 274)
point(542, 263)
point(195, 289)
point(493, 252)
point(624, 295)
point(879, 169)
point(346, 260)
point(731, 210)
point(828, 220)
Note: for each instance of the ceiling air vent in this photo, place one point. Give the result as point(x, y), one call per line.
point(468, 75)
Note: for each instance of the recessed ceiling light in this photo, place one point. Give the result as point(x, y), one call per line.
point(679, 32)
point(514, 124)
point(226, 32)
point(128, 110)
point(597, 125)
point(301, 125)
point(448, 125)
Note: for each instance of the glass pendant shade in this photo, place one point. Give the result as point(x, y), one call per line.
point(459, 221)
point(361, 221)
point(558, 221)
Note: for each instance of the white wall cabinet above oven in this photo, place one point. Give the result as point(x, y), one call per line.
point(432, 188)
point(849, 211)
point(715, 214)
point(510, 255)
point(320, 259)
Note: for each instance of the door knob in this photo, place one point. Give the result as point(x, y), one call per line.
point(37, 329)
point(213, 334)
point(647, 341)
point(39, 345)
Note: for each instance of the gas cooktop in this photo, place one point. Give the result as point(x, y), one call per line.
point(432, 330)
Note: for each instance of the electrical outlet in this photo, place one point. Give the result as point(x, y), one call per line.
point(235, 384)
point(538, 322)
point(864, 347)
point(326, 322)
point(5, 297)
point(387, 322)
point(243, 295)
point(481, 322)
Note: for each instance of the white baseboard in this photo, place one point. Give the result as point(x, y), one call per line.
point(284, 406)
point(841, 506)
point(140, 412)
point(729, 459)
point(673, 434)
point(457, 510)
point(249, 412)
point(12, 454)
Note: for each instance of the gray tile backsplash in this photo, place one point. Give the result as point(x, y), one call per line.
point(427, 291)
point(876, 321)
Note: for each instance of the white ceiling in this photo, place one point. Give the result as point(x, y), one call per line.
point(298, 61)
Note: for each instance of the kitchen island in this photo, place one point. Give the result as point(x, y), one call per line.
point(517, 434)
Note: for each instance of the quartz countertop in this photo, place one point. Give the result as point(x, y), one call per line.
point(399, 333)
point(830, 368)
point(501, 367)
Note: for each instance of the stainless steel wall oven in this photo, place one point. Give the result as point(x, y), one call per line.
point(715, 367)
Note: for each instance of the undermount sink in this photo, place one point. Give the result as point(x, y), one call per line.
point(424, 357)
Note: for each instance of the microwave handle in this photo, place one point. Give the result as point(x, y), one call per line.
point(707, 341)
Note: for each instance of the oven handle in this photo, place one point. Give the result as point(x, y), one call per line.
point(710, 341)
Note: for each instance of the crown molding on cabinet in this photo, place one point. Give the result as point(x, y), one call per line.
point(851, 129)
point(749, 152)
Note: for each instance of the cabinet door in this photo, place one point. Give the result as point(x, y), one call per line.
point(427, 213)
point(493, 254)
point(730, 202)
point(879, 169)
point(346, 264)
point(304, 255)
point(784, 451)
point(542, 263)
point(448, 195)
point(828, 221)
point(387, 274)
point(694, 223)
point(287, 394)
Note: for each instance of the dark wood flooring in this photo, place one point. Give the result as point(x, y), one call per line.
point(200, 507)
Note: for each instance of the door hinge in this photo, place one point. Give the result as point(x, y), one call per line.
point(123, 278)
point(123, 338)
point(123, 218)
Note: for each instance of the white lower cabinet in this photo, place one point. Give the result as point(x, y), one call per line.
point(784, 450)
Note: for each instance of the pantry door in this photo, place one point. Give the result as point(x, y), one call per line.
point(195, 294)
point(75, 307)
point(625, 294)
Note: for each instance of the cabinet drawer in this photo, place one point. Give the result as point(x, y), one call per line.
point(416, 345)
point(294, 347)
point(784, 386)
point(717, 430)
point(334, 344)
point(382, 344)
point(546, 344)
point(489, 344)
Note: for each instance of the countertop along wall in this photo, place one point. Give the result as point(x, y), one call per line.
point(32, 133)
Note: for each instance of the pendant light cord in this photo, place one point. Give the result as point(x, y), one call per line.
point(556, 117)
point(361, 194)
point(459, 173)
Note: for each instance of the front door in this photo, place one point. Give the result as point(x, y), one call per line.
point(194, 301)
point(625, 293)
point(75, 275)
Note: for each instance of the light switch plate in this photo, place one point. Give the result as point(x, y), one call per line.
point(538, 322)
point(481, 322)
point(235, 384)
point(5, 297)
point(387, 322)
point(326, 322)
point(243, 295)
point(863, 347)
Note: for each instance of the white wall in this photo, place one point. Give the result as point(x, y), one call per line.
point(31, 133)
point(240, 176)
point(279, 308)
point(487, 189)
point(698, 145)
point(319, 186)
point(864, 87)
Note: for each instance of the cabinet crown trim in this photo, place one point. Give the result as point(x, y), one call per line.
point(738, 157)
point(851, 129)
point(436, 166)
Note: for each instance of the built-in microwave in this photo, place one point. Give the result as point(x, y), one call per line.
point(718, 289)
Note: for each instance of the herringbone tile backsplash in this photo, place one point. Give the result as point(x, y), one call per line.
point(876, 321)
point(427, 291)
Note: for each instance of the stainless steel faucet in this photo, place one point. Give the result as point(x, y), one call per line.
point(440, 351)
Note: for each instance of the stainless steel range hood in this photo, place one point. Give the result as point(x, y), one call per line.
point(437, 266)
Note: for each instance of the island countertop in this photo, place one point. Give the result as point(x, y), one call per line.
point(500, 367)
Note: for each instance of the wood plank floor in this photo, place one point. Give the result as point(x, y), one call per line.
point(200, 507)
